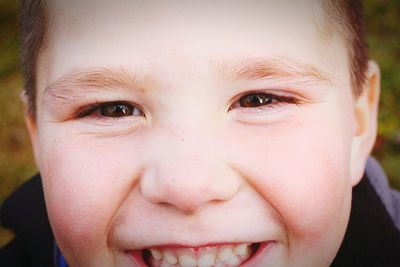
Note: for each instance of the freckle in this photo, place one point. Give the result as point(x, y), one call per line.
point(182, 139)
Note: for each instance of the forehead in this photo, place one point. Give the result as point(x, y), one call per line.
point(184, 17)
point(117, 32)
point(191, 9)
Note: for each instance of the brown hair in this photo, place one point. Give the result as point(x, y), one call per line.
point(346, 18)
point(343, 16)
point(33, 26)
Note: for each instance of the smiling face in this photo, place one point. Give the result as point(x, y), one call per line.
point(216, 132)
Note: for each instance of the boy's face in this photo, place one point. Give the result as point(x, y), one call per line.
point(186, 124)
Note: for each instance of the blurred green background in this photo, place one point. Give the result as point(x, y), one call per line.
point(16, 163)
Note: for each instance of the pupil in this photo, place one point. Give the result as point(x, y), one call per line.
point(255, 100)
point(116, 110)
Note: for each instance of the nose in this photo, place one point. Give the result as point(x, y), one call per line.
point(188, 182)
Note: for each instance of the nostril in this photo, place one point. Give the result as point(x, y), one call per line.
point(181, 209)
point(188, 185)
point(184, 202)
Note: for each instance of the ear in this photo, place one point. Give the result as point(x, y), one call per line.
point(366, 112)
point(31, 124)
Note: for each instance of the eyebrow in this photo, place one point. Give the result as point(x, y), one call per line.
point(273, 68)
point(79, 83)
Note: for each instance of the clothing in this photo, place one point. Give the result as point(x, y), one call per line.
point(25, 213)
point(389, 197)
point(372, 237)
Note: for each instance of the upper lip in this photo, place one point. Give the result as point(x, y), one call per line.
point(125, 243)
point(209, 244)
point(173, 245)
point(157, 235)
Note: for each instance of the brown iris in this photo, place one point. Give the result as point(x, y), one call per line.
point(116, 110)
point(255, 100)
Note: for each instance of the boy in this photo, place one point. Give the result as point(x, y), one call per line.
point(207, 133)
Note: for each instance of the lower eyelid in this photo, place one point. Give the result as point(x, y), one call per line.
point(108, 129)
point(272, 113)
point(262, 110)
point(125, 122)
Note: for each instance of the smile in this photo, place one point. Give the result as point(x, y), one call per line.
point(227, 255)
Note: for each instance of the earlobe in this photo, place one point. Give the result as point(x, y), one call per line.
point(31, 125)
point(366, 112)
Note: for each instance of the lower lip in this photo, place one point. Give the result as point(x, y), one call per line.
point(137, 256)
point(254, 260)
point(138, 259)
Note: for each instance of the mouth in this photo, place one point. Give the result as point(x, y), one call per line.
point(226, 255)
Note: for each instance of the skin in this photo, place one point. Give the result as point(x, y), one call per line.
point(198, 168)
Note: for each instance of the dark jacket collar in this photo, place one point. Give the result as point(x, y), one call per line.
point(371, 238)
point(24, 212)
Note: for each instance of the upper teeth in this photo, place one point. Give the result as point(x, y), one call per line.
point(223, 256)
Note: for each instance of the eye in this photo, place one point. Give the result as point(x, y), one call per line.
point(263, 100)
point(111, 110)
point(255, 100)
point(119, 110)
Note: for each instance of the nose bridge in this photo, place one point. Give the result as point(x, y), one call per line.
point(187, 172)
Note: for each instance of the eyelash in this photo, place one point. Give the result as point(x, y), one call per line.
point(273, 101)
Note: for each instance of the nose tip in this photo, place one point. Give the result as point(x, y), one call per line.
point(188, 188)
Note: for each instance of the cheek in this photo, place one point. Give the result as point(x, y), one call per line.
point(311, 176)
point(85, 181)
point(302, 171)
